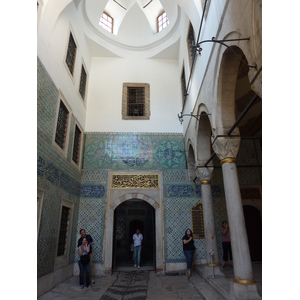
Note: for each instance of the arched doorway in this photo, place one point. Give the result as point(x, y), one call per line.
point(129, 216)
point(254, 232)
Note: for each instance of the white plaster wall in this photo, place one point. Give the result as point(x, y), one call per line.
point(104, 106)
point(51, 49)
point(225, 20)
point(209, 29)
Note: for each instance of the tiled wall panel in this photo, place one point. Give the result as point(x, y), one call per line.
point(120, 151)
point(91, 218)
point(55, 175)
point(134, 151)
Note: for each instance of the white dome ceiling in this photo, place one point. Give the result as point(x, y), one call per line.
point(135, 27)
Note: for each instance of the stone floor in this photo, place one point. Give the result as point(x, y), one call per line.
point(137, 285)
point(143, 284)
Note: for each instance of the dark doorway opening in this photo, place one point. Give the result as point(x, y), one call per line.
point(254, 232)
point(128, 217)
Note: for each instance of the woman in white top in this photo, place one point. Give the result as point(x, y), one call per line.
point(137, 243)
point(83, 252)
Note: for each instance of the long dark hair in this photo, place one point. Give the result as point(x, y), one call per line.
point(190, 231)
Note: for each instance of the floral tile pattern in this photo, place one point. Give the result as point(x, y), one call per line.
point(134, 151)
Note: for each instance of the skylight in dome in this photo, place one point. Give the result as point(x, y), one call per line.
point(162, 21)
point(106, 22)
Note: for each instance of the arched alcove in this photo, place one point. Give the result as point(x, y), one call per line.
point(204, 138)
point(191, 163)
point(234, 93)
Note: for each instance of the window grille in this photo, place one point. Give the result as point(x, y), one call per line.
point(64, 223)
point(61, 128)
point(197, 221)
point(191, 42)
point(71, 54)
point(162, 21)
point(76, 147)
point(106, 22)
point(136, 101)
point(82, 85)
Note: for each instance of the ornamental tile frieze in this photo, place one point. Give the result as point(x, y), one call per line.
point(135, 152)
point(92, 191)
point(119, 151)
point(170, 154)
point(51, 173)
point(180, 191)
point(215, 191)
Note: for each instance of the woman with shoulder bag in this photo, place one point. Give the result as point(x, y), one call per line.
point(188, 249)
point(83, 252)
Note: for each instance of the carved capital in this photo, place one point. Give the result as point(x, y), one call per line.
point(226, 147)
point(204, 173)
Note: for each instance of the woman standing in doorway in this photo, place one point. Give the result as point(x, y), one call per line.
point(188, 249)
point(137, 243)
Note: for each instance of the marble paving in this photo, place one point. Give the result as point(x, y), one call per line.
point(134, 285)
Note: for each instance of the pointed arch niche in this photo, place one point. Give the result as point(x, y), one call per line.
point(117, 196)
point(191, 163)
point(204, 139)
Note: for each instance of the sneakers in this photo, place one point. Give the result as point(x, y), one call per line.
point(138, 267)
point(93, 281)
point(89, 287)
point(135, 266)
point(81, 286)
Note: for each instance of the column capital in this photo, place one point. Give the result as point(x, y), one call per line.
point(226, 147)
point(204, 173)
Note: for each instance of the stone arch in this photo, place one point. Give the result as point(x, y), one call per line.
point(191, 161)
point(203, 138)
point(156, 203)
point(139, 196)
point(230, 102)
point(226, 90)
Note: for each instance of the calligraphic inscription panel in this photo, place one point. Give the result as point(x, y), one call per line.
point(147, 181)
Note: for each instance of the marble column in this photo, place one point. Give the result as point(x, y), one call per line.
point(205, 174)
point(243, 286)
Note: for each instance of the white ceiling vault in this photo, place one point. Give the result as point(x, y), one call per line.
point(135, 28)
point(134, 34)
point(138, 9)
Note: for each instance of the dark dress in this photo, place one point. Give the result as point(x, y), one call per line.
point(189, 250)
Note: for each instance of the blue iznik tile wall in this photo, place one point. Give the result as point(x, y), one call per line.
point(120, 151)
point(92, 208)
point(55, 175)
point(142, 151)
point(134, 151)
point(180, 196)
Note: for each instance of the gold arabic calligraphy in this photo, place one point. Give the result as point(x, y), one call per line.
point(135, 181)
